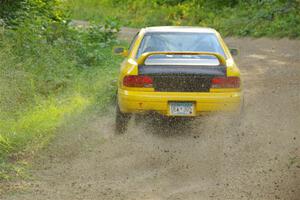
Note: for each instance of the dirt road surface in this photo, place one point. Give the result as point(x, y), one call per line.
point(210, 158)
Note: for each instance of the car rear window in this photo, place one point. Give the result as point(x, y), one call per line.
point(180, 42)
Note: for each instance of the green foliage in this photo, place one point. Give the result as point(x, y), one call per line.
point(49, 72)
point(256, 18)
point(14, 12)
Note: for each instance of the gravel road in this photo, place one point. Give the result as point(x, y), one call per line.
point(210, 158)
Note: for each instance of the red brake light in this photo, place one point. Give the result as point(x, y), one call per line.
point(225, 82)
point(137, 81)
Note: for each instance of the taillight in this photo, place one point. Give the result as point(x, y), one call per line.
point(138, 81)
point(225, 82)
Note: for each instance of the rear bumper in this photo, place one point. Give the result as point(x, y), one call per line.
point(141, 101)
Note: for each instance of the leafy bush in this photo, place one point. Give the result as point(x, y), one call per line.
point(49, 71)
point(231, 17)
point(14, 12)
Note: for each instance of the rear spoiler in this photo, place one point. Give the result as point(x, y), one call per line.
point(141, 60)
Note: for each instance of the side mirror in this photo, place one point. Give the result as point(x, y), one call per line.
point(120, 51)
point(234, 52)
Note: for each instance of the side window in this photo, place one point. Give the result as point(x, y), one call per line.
point(132, 42)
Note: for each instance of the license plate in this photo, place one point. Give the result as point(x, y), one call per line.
point(181, 108)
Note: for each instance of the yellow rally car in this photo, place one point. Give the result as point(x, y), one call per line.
point(177, 71)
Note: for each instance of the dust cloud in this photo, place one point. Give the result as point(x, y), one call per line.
point(211, 157)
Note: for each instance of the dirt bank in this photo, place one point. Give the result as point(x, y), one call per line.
point(209, 159)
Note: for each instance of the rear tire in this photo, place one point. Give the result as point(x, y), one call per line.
point(122, 120)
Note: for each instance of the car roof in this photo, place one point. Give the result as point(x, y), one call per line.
point(184, 29)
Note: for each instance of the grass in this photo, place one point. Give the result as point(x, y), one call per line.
point(23, 134)
point(22, 137)
point(44, 85)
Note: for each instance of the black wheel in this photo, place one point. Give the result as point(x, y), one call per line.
point(122, 120)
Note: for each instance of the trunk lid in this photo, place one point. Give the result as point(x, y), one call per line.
point(182, 71)
point(182, 78)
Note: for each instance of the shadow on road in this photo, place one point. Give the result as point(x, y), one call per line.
point(162, 126)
